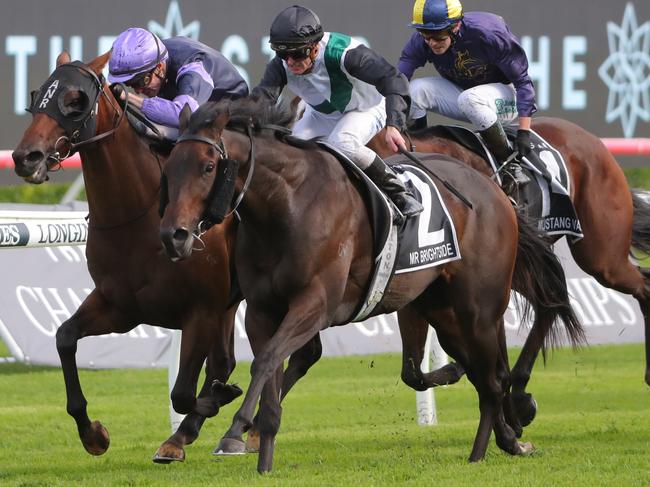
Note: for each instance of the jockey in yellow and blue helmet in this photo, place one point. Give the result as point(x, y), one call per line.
point(483, 75)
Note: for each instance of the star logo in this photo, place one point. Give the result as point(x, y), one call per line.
point(174, 24)
point(626, 71)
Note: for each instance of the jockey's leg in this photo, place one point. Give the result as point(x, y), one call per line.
point(487, 107)
point(313, 124)
point(386, 179)
point(436, 95)
point(350, 136)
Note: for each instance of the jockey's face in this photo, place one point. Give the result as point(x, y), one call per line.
point(301, 65)
point(151, 83)
point(439, 41)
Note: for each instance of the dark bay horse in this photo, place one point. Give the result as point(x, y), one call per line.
point(304, 260)
point(612, 217)
point(134, 281)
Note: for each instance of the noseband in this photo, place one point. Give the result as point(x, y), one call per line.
point(208, 218)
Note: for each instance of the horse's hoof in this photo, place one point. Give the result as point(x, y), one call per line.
point(525, 448)
point(225, 393)
point(525, 407)
point(230, 446)
point(169, 452)
point(95, 439)
point(253, 441)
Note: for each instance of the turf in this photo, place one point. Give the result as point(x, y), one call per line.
point(349, 422)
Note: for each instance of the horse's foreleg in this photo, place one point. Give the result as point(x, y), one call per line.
point(305, 318)
point(269, 421)
point(299, 363)
point(94, 317)
point(214, 392)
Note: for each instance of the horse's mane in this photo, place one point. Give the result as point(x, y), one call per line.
point(242, 112)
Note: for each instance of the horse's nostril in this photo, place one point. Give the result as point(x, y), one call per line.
point(181, 234)
point(35, 156)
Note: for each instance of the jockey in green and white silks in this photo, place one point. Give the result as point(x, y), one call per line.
point(351, 94)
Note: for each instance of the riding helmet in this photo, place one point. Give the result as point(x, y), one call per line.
point(295, 27)
point(436, 14)
point(134, 51)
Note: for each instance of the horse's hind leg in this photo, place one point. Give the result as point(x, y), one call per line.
point(95, 316)
point(525, 406)
point(604, 251)
point(413, 331)
point(214, 392)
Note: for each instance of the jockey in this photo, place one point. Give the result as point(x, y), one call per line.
point(171, 74)
point(351, 93)
point(483, 74)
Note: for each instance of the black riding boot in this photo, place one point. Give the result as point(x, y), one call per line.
point(495, 139)
point(384, 177)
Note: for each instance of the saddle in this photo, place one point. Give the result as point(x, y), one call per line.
point(547, 199)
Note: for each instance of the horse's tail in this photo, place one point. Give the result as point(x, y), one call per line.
point(641, 220)
point(539, 278)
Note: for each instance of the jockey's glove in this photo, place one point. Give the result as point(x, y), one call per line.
point(522, 142)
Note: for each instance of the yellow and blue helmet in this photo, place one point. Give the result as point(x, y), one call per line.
point(436, 14)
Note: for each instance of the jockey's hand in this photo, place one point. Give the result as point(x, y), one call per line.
point(523, 142)
point(394, 139)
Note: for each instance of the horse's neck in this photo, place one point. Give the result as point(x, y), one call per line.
point(274, 179)
point(121, 174)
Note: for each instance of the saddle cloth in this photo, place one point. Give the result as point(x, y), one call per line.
point(425, 240)
point(555, 213)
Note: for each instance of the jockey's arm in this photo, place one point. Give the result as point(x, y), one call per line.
point(511, 60)
point(194, 86)
point(413, 56)
point(365, 64)
point(273, 81)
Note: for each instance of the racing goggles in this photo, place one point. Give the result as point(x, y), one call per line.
point(435, 35)
point(140, 81)
point(299, 54)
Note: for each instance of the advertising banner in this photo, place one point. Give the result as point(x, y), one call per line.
point(42, 287)
point(590, 62)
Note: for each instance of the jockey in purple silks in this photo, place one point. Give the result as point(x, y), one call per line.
point(483, 74)
point(171, 73)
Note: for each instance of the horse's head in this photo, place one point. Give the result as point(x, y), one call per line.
point(64, 111)
point(198, 179)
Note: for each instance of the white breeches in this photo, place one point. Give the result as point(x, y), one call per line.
point(481, 105)
point(349, 132)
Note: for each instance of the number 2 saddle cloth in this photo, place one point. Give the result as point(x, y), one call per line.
point(425, 240)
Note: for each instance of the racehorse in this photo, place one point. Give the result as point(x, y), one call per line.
point(304, 260)
point(134, 281)
point(612, 218)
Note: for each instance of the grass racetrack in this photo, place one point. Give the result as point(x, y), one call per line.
point(351, 421)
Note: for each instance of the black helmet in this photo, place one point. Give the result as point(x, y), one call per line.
point(294, 28)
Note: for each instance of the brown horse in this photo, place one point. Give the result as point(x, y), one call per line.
point(304, 260)
point(613, 219)
point(134, 281)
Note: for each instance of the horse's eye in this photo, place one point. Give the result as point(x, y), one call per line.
point(209, 167)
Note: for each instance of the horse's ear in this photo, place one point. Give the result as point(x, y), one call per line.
point(97, 64)
point(63, 58)
point(184, 118)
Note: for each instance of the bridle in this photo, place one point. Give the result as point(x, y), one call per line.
point(78, 130)
point(208, 219)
